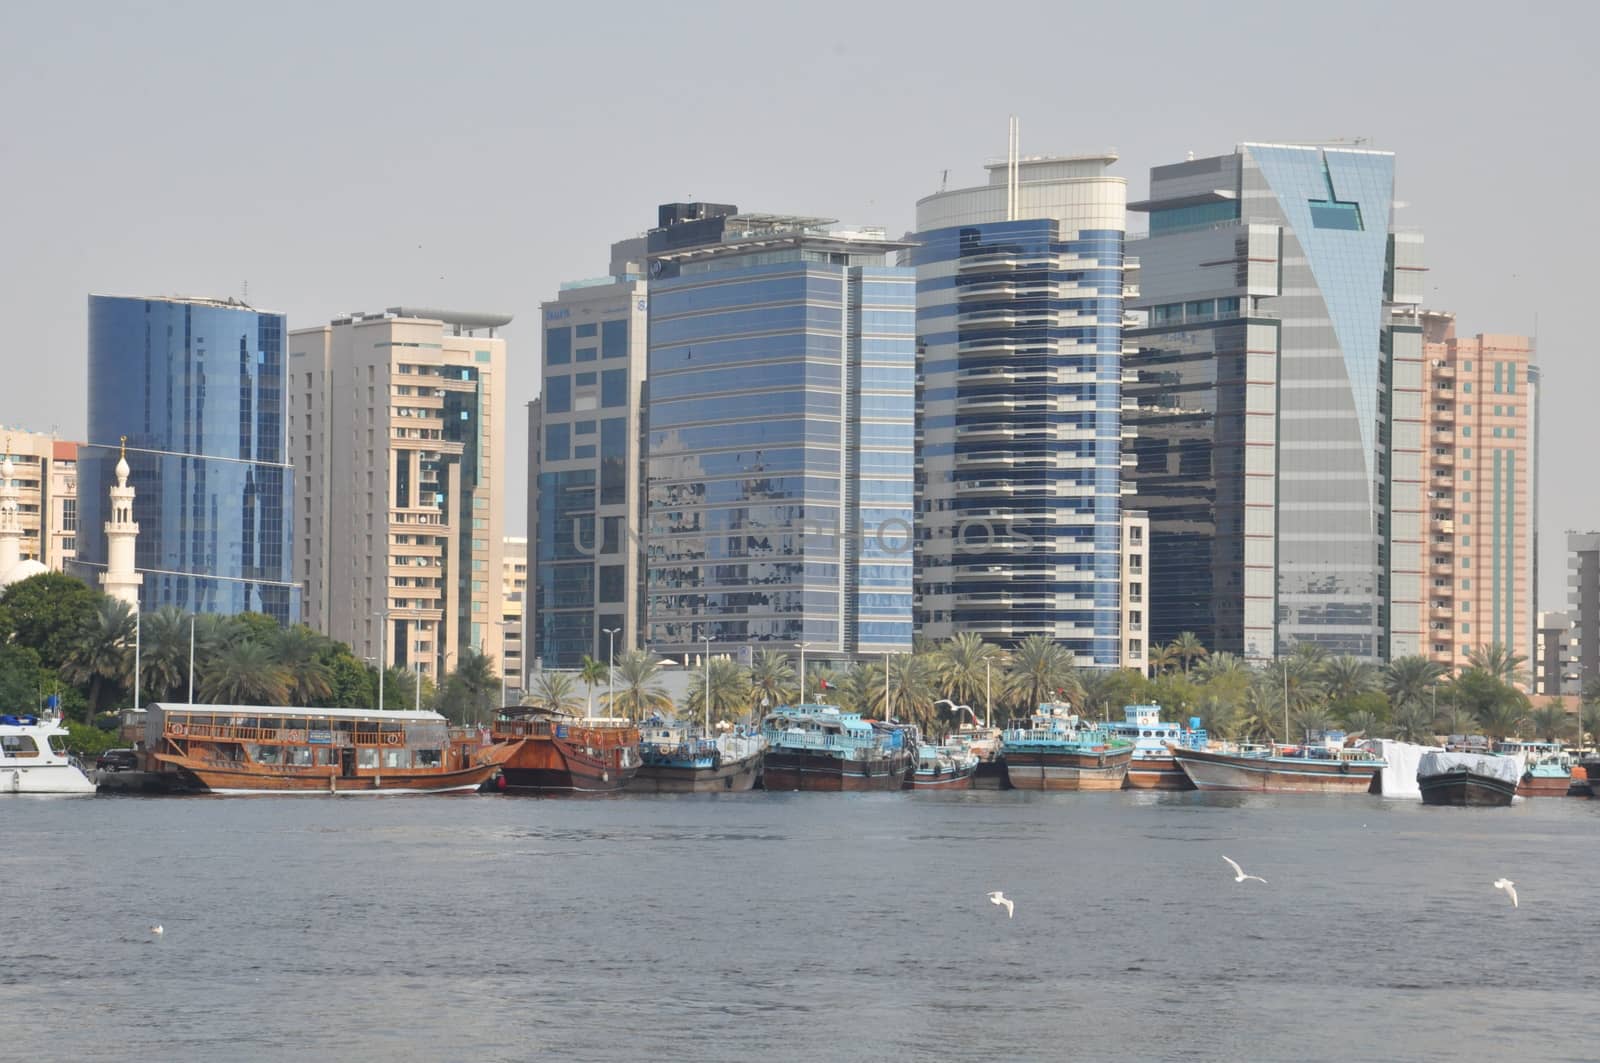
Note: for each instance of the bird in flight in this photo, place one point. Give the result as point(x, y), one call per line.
point(1240, 876)
point(158, 930)
point(1001, 899)
point(1510, 888)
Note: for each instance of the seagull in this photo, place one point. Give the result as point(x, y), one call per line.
point(1001, 899)
point(158, 930)
point(1240, 876)
point(1510, 888)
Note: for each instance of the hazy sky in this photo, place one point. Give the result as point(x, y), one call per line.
point(309, 149)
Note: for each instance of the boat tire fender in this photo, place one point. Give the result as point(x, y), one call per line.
point(391, 739)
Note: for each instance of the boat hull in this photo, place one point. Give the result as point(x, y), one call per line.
point(991, 775)
point(1544, 785)
point(45, 779)
point(1224, 771)
point(1047, 770)
point(736, 776)
point(1157, 773)
point(546, 765)
point(960, 779)
point(817, 771)
point(218, 777)
point(1465, 788)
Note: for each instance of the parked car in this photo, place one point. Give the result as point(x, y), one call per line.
point(117, 760)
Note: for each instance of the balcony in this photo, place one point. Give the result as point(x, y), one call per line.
point(1444, 416)
point(1002, 260)
point(1445, 437)
point(1441, 568)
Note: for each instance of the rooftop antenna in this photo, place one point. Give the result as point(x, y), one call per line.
point(1013, 150)
point(944, 179)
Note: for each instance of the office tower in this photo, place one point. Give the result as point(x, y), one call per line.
point(780, 450)
point(585, 474)
point(1535, 384)
point(1479, 488)
point(1136, 576)
point(1277, 389)
point(1555, 656)
point(1019, 333)
point(197, 388)
point(45, 475)
point(513, 589)
point(397, 428)
point(1583, 603)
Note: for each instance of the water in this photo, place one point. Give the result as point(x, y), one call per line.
point(803, 926)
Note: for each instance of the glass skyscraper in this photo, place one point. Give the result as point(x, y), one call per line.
point(1279, 403)
point(780, 431)
point(1019, 331)
point(197, 387)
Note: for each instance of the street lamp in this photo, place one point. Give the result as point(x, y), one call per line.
point(611, 667)
point(383, 622)
point(888, 717)
point(707, 699)
point(192, 619)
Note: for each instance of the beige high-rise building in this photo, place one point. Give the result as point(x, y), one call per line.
point(397, 435)
point(513, 590)
point(1478, 491)
point(1135, 602)
point(46, 473)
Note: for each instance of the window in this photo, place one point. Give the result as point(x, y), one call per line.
point(613, 339)
point(557, 346)
point(558, 394)
point(585, 331)
point(480, 356)
point(611, 583)
point(557, 442)
point(586, 354)
point(614, 387)
point(585, 428)
point(586, 380)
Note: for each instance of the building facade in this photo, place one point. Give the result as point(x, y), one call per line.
point(1277, 393)
point(46, 482)
point(780, 435)
point(1583, 604)
point(513, 591)
point(197, 388)
point(397, 429)
point(1019, 334)
point(585, 471)
point(1479, 492)
point(1555, 656)
point(1136, 577)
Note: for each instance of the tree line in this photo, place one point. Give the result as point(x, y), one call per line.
point(1411, 698)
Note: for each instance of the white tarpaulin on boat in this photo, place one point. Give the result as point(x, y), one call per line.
point(1503, 768)
point(1399, 775)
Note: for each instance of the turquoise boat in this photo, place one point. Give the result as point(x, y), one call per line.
point(1054, 749)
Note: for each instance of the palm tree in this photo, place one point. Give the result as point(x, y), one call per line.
point(1189, 649)
point(730, 692)
point(164, 653)
point(855, 687)
point(771, 680)
point(1345, 678)
point(1589, 723)
point(911, 693)
point(593, 673)
point(1497, 660)
point(1220, 665)
point(1411, 681)
point(1040, 671)
point(964, 667)
point(101, 655)
point(556, 691)
point(300, 651)
point(1163, 658)
point(470, 691)
point(245, 673)
point(1100, 686)
point(638, 693)
point(1550, 722)
point(1501, 719)
point(1413, 723)
point(1366, 724)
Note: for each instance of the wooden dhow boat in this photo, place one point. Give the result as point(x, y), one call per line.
point(1153, 766)
point(1467, 779)
point(675, 761)
point(558, 753)
point(1546, 767)
point(1056, 750)
point(819, 747)
point(1314, 767)
point(942, 767)
point(252, 749)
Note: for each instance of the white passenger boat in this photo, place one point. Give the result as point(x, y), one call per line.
point(34, 758)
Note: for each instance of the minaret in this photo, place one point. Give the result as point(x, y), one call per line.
point(119, 579)
point(10, 526)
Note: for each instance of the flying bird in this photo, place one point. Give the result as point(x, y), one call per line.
point(158, 930)
point(1001, 899)
point(1510, 888)
point(1240, 876)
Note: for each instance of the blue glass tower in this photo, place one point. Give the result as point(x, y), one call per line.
point(197, 387)
point(1019, 331)
point(1278, 402)
point(780, 432)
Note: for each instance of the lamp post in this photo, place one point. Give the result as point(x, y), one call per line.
point(137, 624)
point(1286, 699)
point(988, 695)
point(191, 659)
point(419, 686)
point(802, 646)
point(611, 667)
point(888, 717)
point(707, 699)
point(383, 622)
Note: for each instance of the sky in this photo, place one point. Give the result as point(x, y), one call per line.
point(321, 158)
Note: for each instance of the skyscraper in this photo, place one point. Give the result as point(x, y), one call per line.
point(781, 393)
point(1583, 604)
point(1277, 387)
point(585, 469)
point(1479, 491)
point(397, 427)
point(1019, 332)
point(196, 386)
